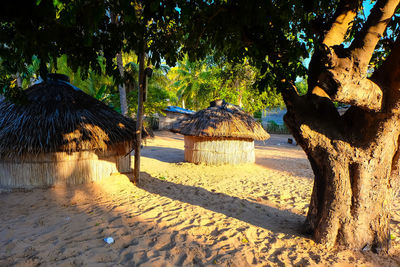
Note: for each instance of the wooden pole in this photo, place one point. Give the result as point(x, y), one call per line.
point(139, 121)
point(19, 80)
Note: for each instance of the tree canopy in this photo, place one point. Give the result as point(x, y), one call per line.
point(355, 60)
point(85, 30)
point(276, 36)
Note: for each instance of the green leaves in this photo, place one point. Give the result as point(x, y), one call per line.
point(100, 93)
point(83, 30)
point(272, 35)
point(13, 93)
point(196, 83)
point(59, 7)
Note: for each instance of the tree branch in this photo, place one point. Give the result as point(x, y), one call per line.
point(340, 23)
point(346, 84)
point(344, 78)
point(365, 41)
point(342, 73)
point(344, 15)
point(387, 77)
point(340, 80)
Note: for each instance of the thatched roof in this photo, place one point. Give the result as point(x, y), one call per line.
point(59, 117)
point(222, 119)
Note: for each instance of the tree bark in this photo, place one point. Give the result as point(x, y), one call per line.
point(344, 16)
point(121, 87)
point(366, 40)
point(337, 71)
point(355, 163)
point(387, 78)
point(19, 80)
point(139, 120)
point(355, 157)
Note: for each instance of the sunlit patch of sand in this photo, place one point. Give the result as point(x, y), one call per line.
point(180, 215)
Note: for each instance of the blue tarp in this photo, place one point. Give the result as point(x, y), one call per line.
point(179, 110)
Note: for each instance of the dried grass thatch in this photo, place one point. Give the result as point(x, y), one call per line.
point(61, 168)
point(60, 118)
point(222, 119)
point(218, 151)
point(220, 134)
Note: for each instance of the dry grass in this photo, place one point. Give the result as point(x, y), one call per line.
point(222, 120)
point(59, 118)
point(218, 151)
point(46, 169)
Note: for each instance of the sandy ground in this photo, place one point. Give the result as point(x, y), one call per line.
point(180, 215)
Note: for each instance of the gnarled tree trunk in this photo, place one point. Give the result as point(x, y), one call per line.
point(355, 156)
point(354, 159)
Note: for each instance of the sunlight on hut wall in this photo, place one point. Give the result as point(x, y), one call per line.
point(217, 151)
point(62, 168)
point(61, 136)
point(220, 134)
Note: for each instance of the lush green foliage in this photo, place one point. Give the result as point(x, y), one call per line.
point(265, 32)
point(104, 87)
point(196, 83)
point(158, 94)
point(275, 36)
point(85, 30)
point(98, 85)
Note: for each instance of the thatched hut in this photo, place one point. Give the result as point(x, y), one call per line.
point(61, 135)
point(220, 134)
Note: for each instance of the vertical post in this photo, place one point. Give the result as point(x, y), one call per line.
point(19, 80)
point(139, 120)
point(121, 87)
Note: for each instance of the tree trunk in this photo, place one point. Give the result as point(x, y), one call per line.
point(354, 159)
point(19, 80)
point(139, 121)
point(121, 87)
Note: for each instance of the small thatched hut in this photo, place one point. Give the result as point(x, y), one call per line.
point(61, 136)
point(220, 134)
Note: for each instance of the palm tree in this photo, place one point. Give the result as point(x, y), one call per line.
point(192, 82)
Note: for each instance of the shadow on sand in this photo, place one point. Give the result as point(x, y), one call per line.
point(298, 167)
point(165, 154)
point(169, 135)
point(175, 155)
point(255, 213)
